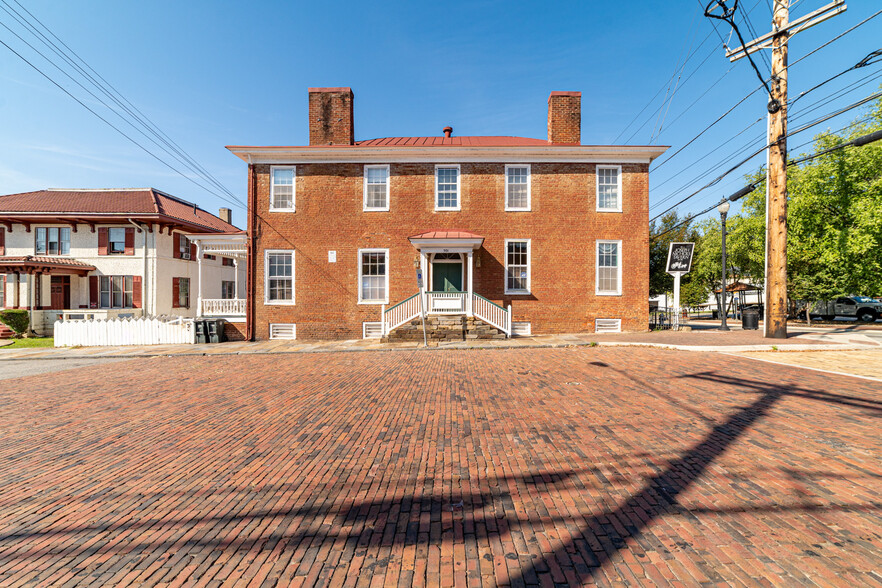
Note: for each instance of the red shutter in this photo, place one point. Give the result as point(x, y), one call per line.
point(130, 240)
point(93, 291)
point(192, 251)
point(176, 293)
point(136, 291)
point(176, 245)
point(2, 241)
point(102, 240)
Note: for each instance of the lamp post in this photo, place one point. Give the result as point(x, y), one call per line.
point(724, 210)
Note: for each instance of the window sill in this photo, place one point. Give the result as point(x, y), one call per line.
point(518, 292)
point(376, 209)
point(448, 209)
point(507, 209)
point(278, 303)
point(608, 210)
point(282, 210)
point(373, 302)
point(596, 293)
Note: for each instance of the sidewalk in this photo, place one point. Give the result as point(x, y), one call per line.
point(702, 338)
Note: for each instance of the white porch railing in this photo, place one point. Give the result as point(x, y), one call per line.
point(492, 313)
point(446, 302)
point(226, 307)
point(397, 315)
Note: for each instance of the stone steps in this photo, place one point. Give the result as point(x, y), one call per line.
point(445, 329)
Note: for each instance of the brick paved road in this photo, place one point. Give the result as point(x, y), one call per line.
point(551, 466)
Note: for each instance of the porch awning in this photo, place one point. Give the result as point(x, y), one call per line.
point(33, 264)
point(233, 245)
point(446, 239)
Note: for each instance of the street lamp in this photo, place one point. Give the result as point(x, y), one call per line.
point(724, 210)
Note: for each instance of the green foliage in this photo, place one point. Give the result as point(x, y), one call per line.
point(15, 319)
point(29, 342)
point(660, 282)
point(834, 244)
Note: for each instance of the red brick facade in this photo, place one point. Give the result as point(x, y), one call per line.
point(562, 225)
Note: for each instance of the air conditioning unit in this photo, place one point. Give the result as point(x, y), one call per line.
point(185, 255)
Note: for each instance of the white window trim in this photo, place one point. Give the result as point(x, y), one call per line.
point(529, 188)
point(266, 278)
point(458, 187)
point(388, 271)
point(293, 189)
point(618, 168)
point(529, 289)
point(597, 289)
point(365, 206)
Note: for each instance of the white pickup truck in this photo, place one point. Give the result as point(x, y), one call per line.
point(861, 307)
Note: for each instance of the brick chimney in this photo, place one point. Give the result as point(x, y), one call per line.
point(226, 215)
point(330, 116)
point(565, 117)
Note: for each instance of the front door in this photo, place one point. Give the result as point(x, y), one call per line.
point(447, 277)
point(60, 287)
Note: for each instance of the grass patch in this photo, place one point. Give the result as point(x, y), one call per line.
point(30, 342)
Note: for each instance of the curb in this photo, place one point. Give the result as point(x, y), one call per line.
point(460, 347)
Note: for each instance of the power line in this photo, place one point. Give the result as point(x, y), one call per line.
point(170, 147)
point(111, 125)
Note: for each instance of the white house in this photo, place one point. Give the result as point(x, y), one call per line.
point(111, 253)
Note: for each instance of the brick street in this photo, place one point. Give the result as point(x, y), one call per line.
point(614, 466)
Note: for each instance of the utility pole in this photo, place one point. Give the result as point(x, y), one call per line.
point(775, 291)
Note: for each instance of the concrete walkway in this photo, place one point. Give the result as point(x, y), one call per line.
point(701, 338)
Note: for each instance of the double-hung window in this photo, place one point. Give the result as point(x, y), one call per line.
point(517, 266)
point(609, 188)
point(447, 187)
point(517, 187)
point(609, 268)
point(376, 187)
point(279, 272)
point(373, 276)
point(116, 240)
point(282, 188)
point(52, 241)
point(116, 292)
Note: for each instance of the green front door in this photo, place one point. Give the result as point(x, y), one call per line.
point(447, 277)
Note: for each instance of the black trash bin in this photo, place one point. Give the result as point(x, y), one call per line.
point(750, 319)
point(215, 330)
point(201, 331)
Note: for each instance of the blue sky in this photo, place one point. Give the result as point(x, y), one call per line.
point(211, 74)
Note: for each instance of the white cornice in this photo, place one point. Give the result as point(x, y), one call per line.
point(531, 154)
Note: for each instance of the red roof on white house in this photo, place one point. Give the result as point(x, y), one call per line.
point(134, 202)
point(446, 235)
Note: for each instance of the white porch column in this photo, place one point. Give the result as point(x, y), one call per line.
point(30, 303)
point(470, 282)
point(199, 287)
point(424, 264)
point(236, 277)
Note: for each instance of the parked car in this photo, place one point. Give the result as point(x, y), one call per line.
point(863, 308)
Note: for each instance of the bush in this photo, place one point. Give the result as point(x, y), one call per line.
point(17, 320)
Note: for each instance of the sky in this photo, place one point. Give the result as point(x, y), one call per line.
point(210, 74)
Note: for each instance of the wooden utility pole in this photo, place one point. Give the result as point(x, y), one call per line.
point(775, 320)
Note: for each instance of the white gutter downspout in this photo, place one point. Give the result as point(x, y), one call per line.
point(144, 288)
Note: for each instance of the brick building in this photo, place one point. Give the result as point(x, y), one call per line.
point(523, 234)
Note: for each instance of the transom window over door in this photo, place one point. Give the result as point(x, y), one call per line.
point(517, 266)
point(373, 276)
point(282, 188)
point(609, 188)
point(517, 187)
point(279, 269)
point(447, 187)
point(376, 187)
point(609, 268)
point(52, 241)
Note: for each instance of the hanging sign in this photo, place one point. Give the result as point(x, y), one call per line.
point(680, 258)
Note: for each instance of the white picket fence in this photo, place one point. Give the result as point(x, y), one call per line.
point(141, 331)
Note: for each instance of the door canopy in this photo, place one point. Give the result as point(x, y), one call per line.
point(446, 241)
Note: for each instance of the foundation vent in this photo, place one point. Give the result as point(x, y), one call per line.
point(608, 326)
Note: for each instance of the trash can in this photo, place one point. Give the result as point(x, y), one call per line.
point(215, 330)
point(750, 319)
point(201, 331)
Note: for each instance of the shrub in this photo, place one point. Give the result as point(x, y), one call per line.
point(15, 319)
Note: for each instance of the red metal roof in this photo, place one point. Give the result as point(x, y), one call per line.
point(489, 141)
point(133, 201)
point(446, 235)
point(47, 263)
